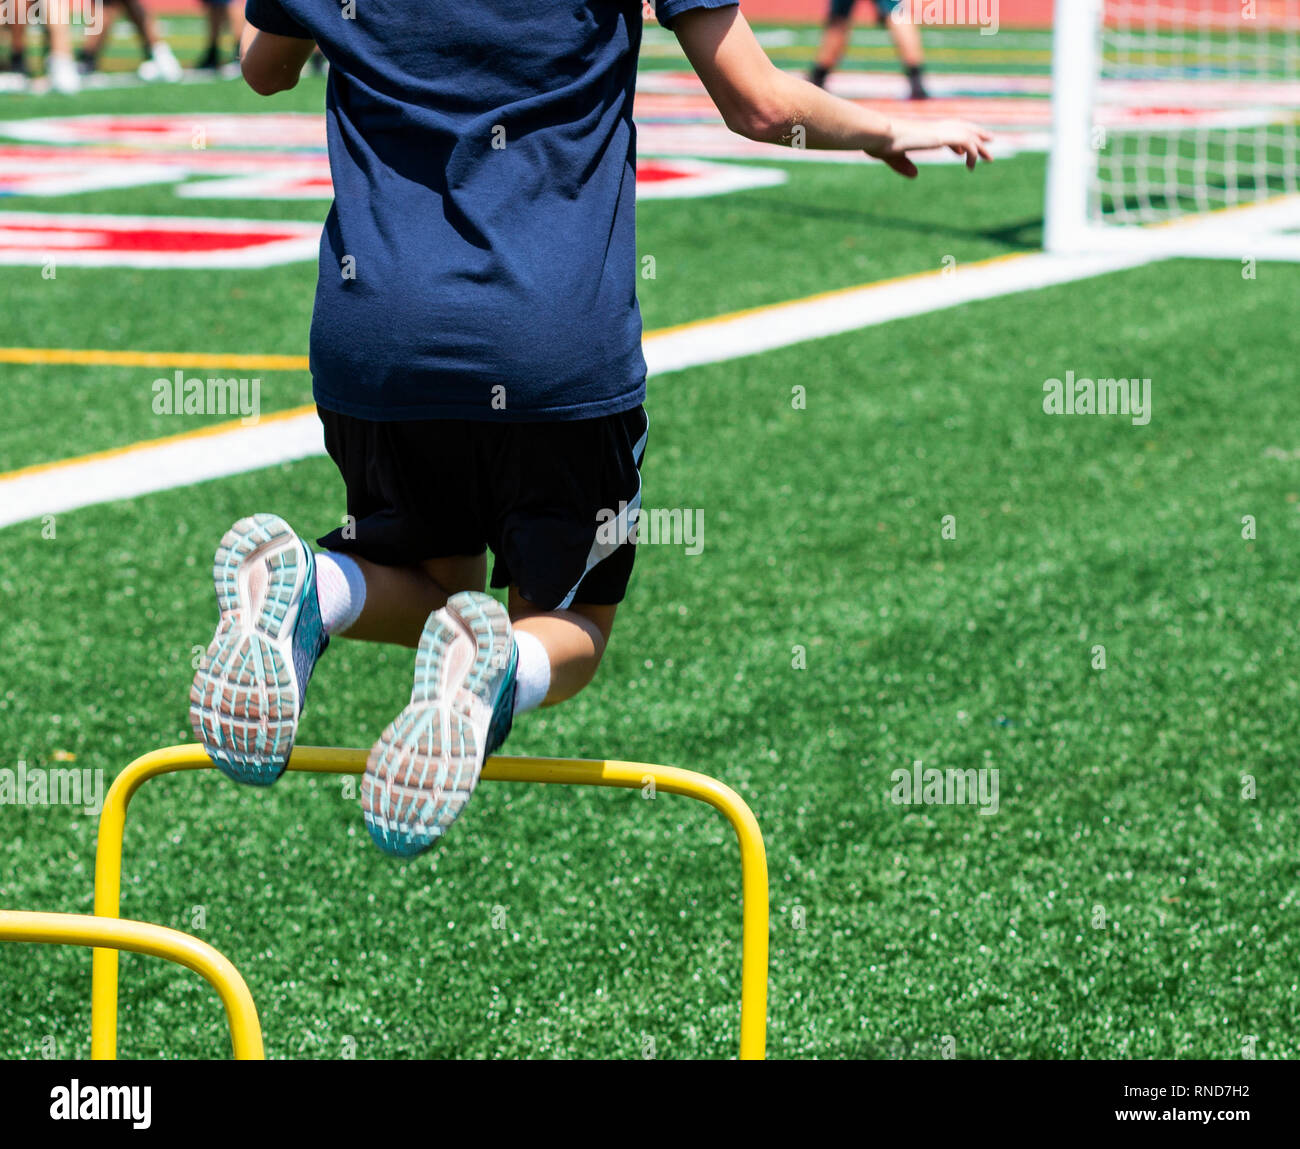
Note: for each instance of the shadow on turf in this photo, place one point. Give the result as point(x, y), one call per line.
point(1027, 235)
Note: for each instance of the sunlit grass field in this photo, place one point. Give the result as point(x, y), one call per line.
point(1134, 894)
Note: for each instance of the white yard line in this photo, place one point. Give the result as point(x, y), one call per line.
point(212, 454)
point(768, 328)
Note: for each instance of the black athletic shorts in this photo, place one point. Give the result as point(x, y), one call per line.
point(884, 8)
point(552, 500)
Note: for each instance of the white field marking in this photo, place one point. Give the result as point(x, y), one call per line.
point(14, 240)
point(687, 179)
point(216, 453)
point(1263, 231)
point(48, 175)
point(768, 328)
point(700, 178)
point(299, 182)
point(88, 241)
point(158, 466)
point(164, 130)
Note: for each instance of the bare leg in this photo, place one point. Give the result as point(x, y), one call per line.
point(575, 641)
point(144, 24)
point(835, 42)
point(92, 43)
point(18, 30)
point(907, 42)
point(59, 67)
point(399, 600)
point(216, 17)
point(60, 37)
point(907, 39)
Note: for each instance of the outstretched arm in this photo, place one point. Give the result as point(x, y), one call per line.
point(759, 101)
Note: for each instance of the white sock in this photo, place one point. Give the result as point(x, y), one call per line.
point(341, 588)
point(532, 673)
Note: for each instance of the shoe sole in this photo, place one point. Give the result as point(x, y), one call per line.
point(244, 700)
point(426, 764)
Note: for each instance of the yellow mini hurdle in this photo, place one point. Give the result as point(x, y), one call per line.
point(159, 941)
point(245, 1033)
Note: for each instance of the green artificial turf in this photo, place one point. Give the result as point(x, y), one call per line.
point(1126, 900)
point(1120, 789)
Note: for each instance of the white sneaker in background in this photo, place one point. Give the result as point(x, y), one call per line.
point(63, 76)
point(162, 65)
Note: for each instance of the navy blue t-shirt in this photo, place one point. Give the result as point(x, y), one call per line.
point(479, 261)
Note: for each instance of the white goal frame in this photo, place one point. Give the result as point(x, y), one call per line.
point(1250, 231)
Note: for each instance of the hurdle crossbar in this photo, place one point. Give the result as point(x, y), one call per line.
point(554, 771)
point(158, 941)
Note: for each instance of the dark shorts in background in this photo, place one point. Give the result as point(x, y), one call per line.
point(537, 494)
point(884, 8)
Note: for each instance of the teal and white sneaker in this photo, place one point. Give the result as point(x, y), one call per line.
point(425, 766)
point(248, 693)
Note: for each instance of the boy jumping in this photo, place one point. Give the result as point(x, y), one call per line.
point(476, 362)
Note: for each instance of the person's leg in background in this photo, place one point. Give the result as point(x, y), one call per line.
point(220, 15)
point(893, 14)
point(215, 16)
point(17, 25)
point(160, 62)
point(834, 43)
point(907, 42)
point(93, 41)
point(59, 65)
point(235, 21)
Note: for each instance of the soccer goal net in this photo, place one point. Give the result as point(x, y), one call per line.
point(1175, 127)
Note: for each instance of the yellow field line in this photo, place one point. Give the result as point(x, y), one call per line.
point(149, 444)
point(166, 360)
point(172, 360)
point(696, 324)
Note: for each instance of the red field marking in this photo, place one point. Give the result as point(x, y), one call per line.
point(34, 240)
point(281, 156)
point(684, 178)
point(71, 154)
point(180, 133)
point(652, 173)
point(53, 171)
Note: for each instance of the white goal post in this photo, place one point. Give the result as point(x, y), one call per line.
point(1176, 128)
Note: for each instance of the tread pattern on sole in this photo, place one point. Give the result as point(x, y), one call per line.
point(244, 702)
point(426, 764)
